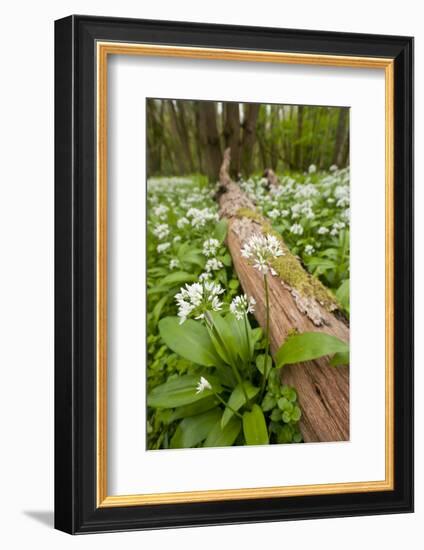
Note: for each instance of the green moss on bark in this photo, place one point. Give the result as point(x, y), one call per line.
point(289, 268)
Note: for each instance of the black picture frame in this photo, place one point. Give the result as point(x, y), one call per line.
point(76, 510)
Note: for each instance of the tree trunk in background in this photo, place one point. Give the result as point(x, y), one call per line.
point(298, 160)
point(323, 391)
point(249, 137)
point(154, 138)
point(342, 125)
point(232, 135)
point(274, 146)
point(179, 128)
point(185, 134)
point(209, 139)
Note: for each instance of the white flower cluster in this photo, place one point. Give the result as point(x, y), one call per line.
point(174, 263)
point(213, 265)
point(210, 247)
point(323, 230)
point(195, 299)
point(203, 385)
point(182, 222)
point(162, 247)
point(161, 230)
point(200, 217)
point(296, 229)
point(273, 214)
point(303, 209)
point(241, 305)
point(309, 250)
point(161, 211)
point(261, 250)
point(342, 195)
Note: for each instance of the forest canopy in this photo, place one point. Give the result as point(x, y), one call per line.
point(188, 137)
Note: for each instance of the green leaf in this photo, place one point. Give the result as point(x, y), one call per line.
point(254, 427)
point(241, 336)
point(268, 402)
point(192, 431)
point(260, 363)
point(221, 230)
point(190, 340)
point(194, 408)
point(193, 257)
point(157, 310)
point(223, 338)
point(342, 295)
point(340, 359)
point(237, 400)
point(177, 392)
point(307, 346)
point(223, 437)
point(178, 277)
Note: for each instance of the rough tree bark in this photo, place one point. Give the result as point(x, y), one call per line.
point(232, 136)
point(209, 138)
point(249, 137)
point(341, 134)
point(297, 301)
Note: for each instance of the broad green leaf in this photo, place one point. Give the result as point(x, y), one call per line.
point(260, 363)
point(307, 346)
point(177, 392)
point(342, 295)
point(190, 340)
point(242, 334)
point(177, 278)
point(340, 359)
point(194, 408)
point(223, 437)
point(221, 230)
point(268, 402)
point(254, 427)
point(157, 310)
point(193, 257)
point(192, 431)
point(237, 400)
point(223, 338)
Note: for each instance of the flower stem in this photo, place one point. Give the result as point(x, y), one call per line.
point(227, 405)
point(265, 375)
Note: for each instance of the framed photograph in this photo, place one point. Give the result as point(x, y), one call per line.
point(234, 274)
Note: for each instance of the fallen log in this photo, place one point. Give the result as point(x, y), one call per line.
point(298, 301)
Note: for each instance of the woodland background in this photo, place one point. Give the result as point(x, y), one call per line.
point(186, 137)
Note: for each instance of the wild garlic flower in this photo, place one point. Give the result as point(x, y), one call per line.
point(161, 230)
point(213, 265)
point(296, 229)
point(161, 211)
point(195, 299)
point(242, 305)
point(260, 250)
point(182, 222)
point(203, 385)
point(309, 250)
point(199, 218)
point(162, 247)
point(210, 247)
point(323, 230)
point(174, 263)
point(274, 213)
point(312, 169)
point(205, 276)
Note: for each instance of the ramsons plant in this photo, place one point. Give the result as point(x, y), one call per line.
point(233, 394)
point(312, 211)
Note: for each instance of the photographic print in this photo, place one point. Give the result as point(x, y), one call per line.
point(247, 273)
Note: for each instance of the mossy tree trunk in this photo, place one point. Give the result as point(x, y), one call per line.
point(297, 301)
